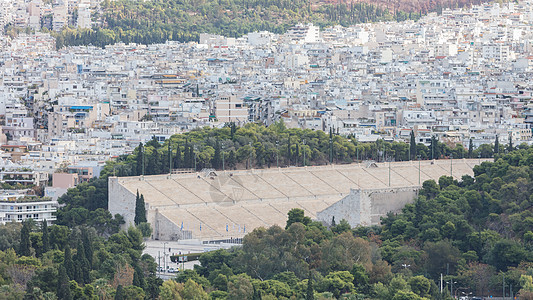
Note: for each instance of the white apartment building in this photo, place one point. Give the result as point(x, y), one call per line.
point(17, 208)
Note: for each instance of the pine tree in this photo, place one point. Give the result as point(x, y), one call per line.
point(413, 145)
point(45, 238)
point(25, 244)
point(68, 264)
point(497, 145)
point(119, 294)
point(63, 286)
point(140, 209)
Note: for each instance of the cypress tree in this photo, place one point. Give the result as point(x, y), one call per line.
point(68, 264)
point(216, 161)
point(169, 156)
point(25, 244)
point(232, 160)
point(413, 145)
point(309, 295)
point(191, 157)
point(186, 155)
point(63, 286)
point(140, 210)
point(470, 148)
point(82, 265)
point(88, 246)
point(233, 130)
point(297, 154)
point(178, 161)
point(289, 150)
point(45, 237)
point(119, 295)
point(138, 277)
point(139, 159)
point(510, 147)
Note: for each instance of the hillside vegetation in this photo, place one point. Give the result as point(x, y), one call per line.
point(157, 21)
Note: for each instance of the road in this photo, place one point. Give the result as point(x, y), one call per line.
point(162, 250)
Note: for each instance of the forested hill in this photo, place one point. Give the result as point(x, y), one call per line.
point(157, 21)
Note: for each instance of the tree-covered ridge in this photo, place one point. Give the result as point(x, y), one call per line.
point(157, 21)
point(56, 262)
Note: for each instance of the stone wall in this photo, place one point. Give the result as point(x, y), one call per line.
point(121, 201)
point(366, 207)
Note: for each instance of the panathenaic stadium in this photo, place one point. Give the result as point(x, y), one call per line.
point(215, 205)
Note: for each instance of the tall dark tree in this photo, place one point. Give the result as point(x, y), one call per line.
point(434, 148)
point(233, 130)
point(119, 294)
point(63, 286)
point(168, 163)
point(330, 145)
point(45, 237)
point(232, 160)
point(217, 159)
point(192, 157)
point(510, 145)
point(496, 145)
point(289, 151)
point(186, 155)
point(25, 243)
point(412, 145)
point(470, 148)
point(88, 246)
point(177, 158)
point(140, 209)
point(310, 293)
point(68, 264)
point(139, 159)
point(138, 277)
point(297, 154)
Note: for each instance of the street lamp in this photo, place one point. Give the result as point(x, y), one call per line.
point(195, 149)
point(304, 151)
point(419, 169)
point(451, 282)
point(451, 165)
point(277, 154)
point(223, 167)
point(165, 257)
